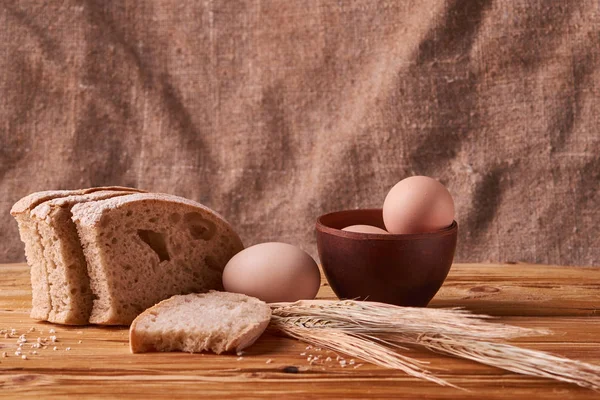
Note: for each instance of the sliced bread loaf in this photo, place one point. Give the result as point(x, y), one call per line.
point(63, 263)
point(34, 251)
point(144, 248)
point(215, 321)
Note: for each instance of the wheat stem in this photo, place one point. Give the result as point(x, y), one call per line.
point(358, 347)
point(376, 332)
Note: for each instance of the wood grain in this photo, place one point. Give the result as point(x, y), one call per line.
point(99, 365)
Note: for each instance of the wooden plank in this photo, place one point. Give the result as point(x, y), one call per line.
point(99, 364)
point(495, 289)
point(522, 289)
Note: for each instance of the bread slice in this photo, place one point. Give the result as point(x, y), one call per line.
point(34, 250)
point(63, 262)
point(215, 321)
point(144, 248)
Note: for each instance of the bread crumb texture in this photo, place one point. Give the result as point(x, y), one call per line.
point(214, 321)
point(144, 248)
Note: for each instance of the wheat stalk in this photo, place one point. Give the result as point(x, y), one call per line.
point(376, 332)
point(359, 347)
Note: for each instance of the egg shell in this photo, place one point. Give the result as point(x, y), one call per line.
point(365, 229)
point(418, 204)
point(273, 272)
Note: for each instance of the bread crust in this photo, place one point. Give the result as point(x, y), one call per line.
point(32, 200)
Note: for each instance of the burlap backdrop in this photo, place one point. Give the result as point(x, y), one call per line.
point(273, 112)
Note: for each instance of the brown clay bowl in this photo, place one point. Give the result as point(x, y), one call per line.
point(405, 270)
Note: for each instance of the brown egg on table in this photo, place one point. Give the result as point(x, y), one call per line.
point(273, 272)
point(418, 204)
point(365, 229)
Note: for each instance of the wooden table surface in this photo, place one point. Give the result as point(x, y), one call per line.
point(95, 362)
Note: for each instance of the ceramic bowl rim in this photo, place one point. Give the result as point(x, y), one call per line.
point(321, 227)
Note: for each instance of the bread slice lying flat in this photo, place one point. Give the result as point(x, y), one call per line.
point(63, 262)
point(144, 248)
point(214, 321)
point(34, 250)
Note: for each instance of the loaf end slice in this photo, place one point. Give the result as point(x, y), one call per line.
point(34, 250)
point(144, 248)
point(215, 321)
